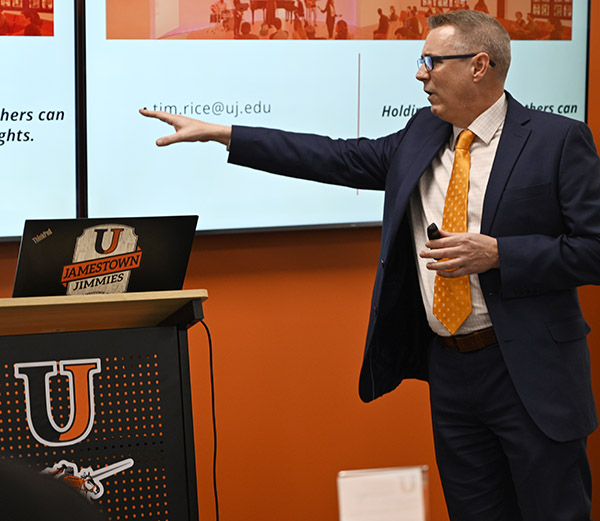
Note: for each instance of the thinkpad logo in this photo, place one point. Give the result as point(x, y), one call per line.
point(41, 236)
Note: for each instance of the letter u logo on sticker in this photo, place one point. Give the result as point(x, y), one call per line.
point(116, 232)
point(37, 377)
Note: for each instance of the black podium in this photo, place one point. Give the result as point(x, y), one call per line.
point(95, 391)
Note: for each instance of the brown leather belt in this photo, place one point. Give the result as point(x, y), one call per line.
point(471, 342)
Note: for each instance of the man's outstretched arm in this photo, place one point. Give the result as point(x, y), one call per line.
point(188, 129)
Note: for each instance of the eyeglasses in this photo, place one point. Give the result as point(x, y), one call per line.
point(429, 61)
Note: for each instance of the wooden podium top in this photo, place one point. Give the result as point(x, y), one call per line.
point(32, 315)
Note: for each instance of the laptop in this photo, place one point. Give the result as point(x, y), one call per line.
point(111, 255)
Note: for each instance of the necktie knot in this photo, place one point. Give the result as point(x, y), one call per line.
point(465, 139)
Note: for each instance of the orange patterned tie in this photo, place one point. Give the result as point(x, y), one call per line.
point(452, 297)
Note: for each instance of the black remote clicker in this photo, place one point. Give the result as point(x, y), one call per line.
point(433, 232)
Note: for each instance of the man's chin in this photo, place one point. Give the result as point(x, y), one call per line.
point(435, 110)
point(438, 111)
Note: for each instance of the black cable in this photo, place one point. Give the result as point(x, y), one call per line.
point(214, 418)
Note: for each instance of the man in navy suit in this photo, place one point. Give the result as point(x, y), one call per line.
point(511, 394)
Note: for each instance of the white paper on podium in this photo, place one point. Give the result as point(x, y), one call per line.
point(392, 494)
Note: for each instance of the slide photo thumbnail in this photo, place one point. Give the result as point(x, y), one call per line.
point(323, 19)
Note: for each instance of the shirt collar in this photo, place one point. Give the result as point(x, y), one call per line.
point(487, 123)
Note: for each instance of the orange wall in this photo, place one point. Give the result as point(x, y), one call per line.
point(288, 314)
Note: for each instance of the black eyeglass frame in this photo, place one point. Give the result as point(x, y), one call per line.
point(429, 61)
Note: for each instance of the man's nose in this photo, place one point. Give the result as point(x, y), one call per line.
point(422, 73)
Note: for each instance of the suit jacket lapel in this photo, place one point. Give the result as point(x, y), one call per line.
point(410, 174)
point(514, 137)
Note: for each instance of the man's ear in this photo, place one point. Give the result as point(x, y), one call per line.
point(481, 66)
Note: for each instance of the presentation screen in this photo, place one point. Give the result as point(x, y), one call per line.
point(342, 68)
point(37, 112)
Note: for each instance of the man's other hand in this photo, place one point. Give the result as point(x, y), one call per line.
point(459, 254)
point(188, 129)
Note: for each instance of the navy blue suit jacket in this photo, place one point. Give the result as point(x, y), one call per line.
point(542, 204)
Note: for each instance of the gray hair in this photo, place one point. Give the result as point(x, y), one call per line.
point(478, 32)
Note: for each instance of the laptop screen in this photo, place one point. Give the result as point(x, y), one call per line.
point(112, 255)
